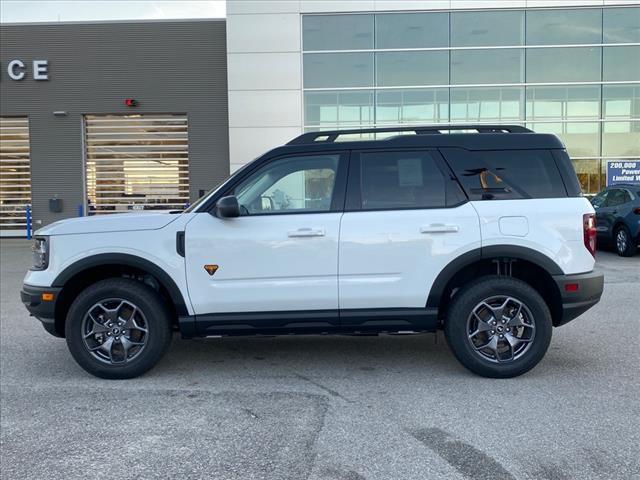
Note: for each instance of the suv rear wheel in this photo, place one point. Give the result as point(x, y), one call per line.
point(498, 327)
point(625, 246)
point(118, 328)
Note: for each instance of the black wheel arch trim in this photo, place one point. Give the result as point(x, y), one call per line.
point(130, 261)
point(492, 251)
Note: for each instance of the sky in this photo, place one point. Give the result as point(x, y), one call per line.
point(12, 11)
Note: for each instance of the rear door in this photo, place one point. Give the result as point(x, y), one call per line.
point(405, 219)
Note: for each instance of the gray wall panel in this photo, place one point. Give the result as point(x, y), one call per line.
point(169, 67)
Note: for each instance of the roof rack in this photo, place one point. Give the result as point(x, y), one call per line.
point(331, 136)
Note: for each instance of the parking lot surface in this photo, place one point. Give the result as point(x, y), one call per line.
point(325, 407)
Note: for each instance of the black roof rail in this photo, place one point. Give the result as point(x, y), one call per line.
point(331, 136)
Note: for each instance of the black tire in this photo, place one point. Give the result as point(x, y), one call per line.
point(156, 319)
point(460, 312)
point(627, 247)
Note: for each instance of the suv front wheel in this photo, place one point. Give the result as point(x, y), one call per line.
point(118, 328)
point(498, 327)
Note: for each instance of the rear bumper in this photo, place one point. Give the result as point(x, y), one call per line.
point(44, 311)
point(579, 293)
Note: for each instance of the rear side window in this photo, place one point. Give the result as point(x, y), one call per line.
point(507, 174)
point(401, 179)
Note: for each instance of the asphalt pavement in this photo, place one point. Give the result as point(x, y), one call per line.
point(325, 407)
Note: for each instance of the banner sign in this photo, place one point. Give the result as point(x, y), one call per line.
point(623, 171)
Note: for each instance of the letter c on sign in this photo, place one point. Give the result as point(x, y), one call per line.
point(16, 69)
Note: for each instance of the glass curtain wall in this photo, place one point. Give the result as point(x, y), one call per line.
point(574, 72)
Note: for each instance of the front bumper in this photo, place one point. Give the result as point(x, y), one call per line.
point(43, 310)
point(577, 300)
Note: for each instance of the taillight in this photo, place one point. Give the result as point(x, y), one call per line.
point(636, 210)
point(589, 229)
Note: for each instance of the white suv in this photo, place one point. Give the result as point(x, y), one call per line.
point(481, 231)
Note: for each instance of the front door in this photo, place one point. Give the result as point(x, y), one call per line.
point(279, 259)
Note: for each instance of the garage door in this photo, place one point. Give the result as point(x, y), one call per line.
point(136, 162)
point(15, 175)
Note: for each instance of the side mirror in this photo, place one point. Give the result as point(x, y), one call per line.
point(227, 207)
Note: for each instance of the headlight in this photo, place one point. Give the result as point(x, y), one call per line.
point(40, 251)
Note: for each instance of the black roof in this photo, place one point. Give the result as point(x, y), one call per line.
point(471, 137)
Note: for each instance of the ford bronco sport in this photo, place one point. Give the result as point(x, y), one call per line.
point(478, 230)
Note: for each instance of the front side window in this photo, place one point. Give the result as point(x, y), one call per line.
point(397, 180)
point(290, 185)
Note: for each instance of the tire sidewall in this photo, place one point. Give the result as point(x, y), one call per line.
point(156, 316)
point(479, 290)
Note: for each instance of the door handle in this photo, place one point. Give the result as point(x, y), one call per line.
point(306, 232)
point(439, 228)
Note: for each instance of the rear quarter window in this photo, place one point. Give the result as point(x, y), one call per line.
point(506, 174)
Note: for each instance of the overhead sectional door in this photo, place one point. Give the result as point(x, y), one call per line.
point(15, 175)
point(136, 162)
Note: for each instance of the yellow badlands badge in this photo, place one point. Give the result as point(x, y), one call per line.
point(211, 269)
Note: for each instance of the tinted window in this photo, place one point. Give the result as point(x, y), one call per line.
point(600, 199)
point(507, 174)
point(401, 180)
point(487, 66)
point(564, 27)
point(328, 70)
point(621, 63)
point(412, 68)
point(295, 184)
point(337, 32)
point(622, 25)
point(617, 197)
point(574, 64)
point(412, 30)
point(473, 29)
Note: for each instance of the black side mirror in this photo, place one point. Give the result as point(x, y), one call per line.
point(227, 207)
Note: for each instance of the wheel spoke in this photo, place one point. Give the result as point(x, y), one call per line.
point(128, 344)
point(97, 327)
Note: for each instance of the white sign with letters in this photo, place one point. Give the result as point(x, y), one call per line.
point(18, 70)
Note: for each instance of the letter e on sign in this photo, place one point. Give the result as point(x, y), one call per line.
point(41, 70)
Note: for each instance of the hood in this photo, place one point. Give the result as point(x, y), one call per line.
point(117, 222)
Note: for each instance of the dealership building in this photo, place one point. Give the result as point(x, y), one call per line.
point(99, 118)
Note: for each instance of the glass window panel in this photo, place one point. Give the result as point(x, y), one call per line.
point(404, 106)
point(573, 64)
point(338, 108)
point(327, 70)
point(621, 64)
point(621, 139)
point(581, 139)
point(337, 32)
point(474, 29)
point(589, 175)
point(564, 27)
point(412, 68)
point(487, 66)
point(621, 101)
point(573, 102)
point(412, 30)
point(622, 25)
point(392, 180)
point(487, 104)
point(290, 185)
